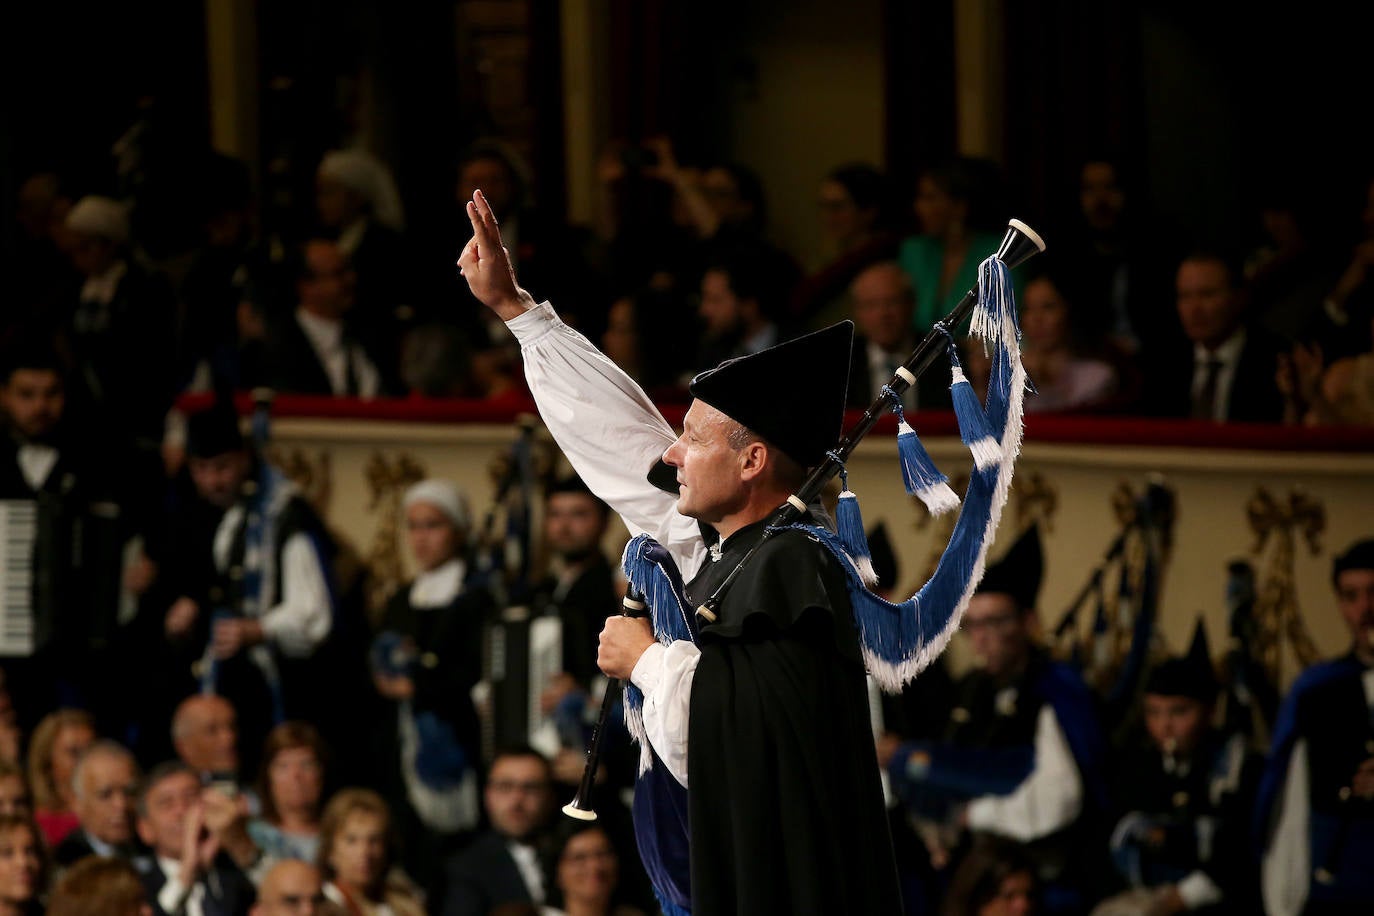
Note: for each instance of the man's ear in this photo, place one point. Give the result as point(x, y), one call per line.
point(754, 457)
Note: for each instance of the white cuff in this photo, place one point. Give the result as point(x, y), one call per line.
point(981, 814)
point(649, 668)
point(1198, 890)
point(534, 323)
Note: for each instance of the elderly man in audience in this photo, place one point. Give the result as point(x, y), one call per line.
point(881, 303)
point(192, 869)
point(291, 888)
point(105, 784)
point(1316, 809)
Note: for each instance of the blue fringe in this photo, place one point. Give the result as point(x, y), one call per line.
point(919, 473)
point(652, 573)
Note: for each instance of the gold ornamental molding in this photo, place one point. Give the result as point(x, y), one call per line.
point(1276, 525)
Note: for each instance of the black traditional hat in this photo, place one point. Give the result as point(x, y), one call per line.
point(793, 394)
point(1191, 675)
point(1359, 555)
point(1019, 572)
point(213, 431)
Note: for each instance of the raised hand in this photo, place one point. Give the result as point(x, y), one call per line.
point(485, 264)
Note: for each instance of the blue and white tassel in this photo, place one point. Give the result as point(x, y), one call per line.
point(849, 524)
point(973, 423)
point(919, 473)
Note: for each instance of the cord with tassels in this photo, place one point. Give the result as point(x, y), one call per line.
point(974, 429)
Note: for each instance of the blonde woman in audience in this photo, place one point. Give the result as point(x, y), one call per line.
point(587, 874)
point(357, 854)
point(58, 743)
point(98, 886)
point(23, 867)
point(14, 792)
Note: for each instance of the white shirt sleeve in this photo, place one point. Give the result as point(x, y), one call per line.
point(665, 675)
point(609, 429)
point(303, 619)
point(1049, 798)
point(1286, 864)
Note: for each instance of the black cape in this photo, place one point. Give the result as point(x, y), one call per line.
point(786, 806)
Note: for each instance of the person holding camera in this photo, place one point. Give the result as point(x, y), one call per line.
point(199, 864)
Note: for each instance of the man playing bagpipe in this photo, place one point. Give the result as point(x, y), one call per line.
point(761, 708)
point(1022, 756)
point(1183, 802)
point(1315, 816)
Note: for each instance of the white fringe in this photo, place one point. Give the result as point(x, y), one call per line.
point(939, 498)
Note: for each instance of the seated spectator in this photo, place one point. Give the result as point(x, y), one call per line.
point(586, 874)
point(358, 858)
point(1225, 370)
point(647, 335)
point(1341, 394)
point(1346, 326)
point(106, 791)
point(122, 324)
point(356, 198)
point(314, 349)
point(188, 871)
point(856, 224)
point(956, 234)
point(997, 878)
point(22, 867)
point(739, 312)
point(291, 888)
point(1122, 261)
point(1184, 803)
point(507, 863)
point(57, 744)
point(427, 659)
point(100, 887)
point(14, 792)
point(291, 790)
point(1062, 365)
point(205, 735)
point(881, 302)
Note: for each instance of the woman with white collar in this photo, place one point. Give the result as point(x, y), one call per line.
point(426, 660)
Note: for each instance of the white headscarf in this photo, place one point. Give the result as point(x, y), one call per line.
point(100, 216)
point(363, 173)
point(443, 495)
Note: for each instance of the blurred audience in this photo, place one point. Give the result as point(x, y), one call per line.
point(105, 784)
point(23, 867)
point(291, 791)
point(54, 750)
point(358, 858)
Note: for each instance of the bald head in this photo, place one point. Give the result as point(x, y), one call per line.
point(882, 301)
point(205, 734)
point(290, 887)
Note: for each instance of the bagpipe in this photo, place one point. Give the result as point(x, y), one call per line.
point(897, 640)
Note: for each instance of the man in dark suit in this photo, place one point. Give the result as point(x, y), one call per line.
point(507, 863)
point(1230, 362)
point(188, 874)
point(881, 302)
point(106, 783)
point(78, 508)
point(313, 350)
